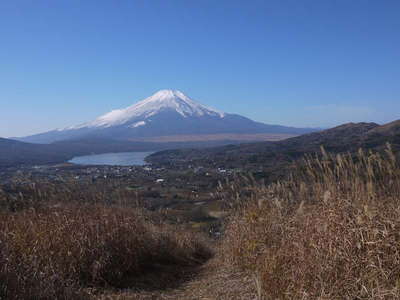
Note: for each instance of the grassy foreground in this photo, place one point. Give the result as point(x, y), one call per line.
point(330, 232)
point(68, 252)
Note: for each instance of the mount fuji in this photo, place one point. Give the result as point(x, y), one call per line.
point(168, 115)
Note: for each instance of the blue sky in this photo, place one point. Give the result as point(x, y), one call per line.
point(301, 63)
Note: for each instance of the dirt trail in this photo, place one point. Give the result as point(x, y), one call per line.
point(210, 282)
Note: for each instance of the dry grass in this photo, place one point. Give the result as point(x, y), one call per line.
point(69, 252)
point(330, 232)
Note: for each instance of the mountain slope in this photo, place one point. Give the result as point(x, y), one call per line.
point(273, 155)
point(166, 113)
point(19, 153)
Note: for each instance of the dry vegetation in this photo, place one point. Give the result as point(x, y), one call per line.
point(70, 252)
point(330, 232)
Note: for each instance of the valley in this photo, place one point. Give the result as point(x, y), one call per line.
point(187, 194)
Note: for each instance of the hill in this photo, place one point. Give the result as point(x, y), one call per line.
point(273, 155)
point(14, 152)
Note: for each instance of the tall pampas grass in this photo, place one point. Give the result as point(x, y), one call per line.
point(331, 231)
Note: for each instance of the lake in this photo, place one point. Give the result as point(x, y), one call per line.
point(112, 159)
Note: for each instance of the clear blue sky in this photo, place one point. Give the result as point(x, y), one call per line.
point(292, 62)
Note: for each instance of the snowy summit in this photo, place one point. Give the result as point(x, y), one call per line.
point(164, 116)
point(164, 100)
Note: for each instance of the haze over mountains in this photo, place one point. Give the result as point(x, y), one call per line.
point(168, 115)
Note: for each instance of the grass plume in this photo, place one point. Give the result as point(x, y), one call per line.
point(332, 231)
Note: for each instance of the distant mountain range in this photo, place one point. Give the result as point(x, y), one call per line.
point(274, 155)
point(15, 153)
point(166, 116)
point(171, 120)
point(347, 137)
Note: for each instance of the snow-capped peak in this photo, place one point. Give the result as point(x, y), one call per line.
point(176, 100)
point(164, 100)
